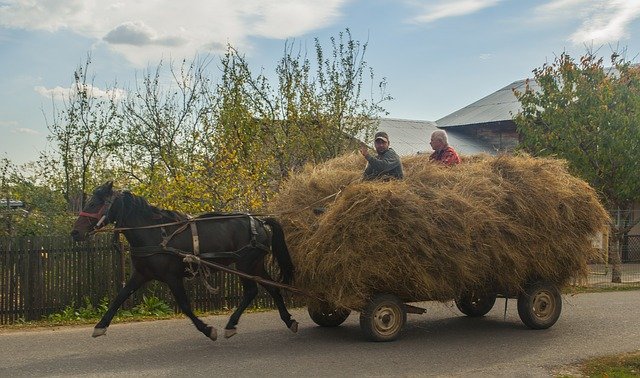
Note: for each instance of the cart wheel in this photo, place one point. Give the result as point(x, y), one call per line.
point(383, 317)
point(325, 315)
point(540, 304)
point(476, 304)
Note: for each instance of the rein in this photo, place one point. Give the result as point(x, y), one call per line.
point(189, 220)
point(181, 222)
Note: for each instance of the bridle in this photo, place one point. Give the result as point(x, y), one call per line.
point(102, 213)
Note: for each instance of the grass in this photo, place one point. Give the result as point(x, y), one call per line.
point(151, 308)
point(622, 365)
point(601, 289)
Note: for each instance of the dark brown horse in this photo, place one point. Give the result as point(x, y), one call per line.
point(156, 235)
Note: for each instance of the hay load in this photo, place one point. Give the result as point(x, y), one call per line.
point(490, 223)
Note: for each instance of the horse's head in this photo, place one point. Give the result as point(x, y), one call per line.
point(96, 213)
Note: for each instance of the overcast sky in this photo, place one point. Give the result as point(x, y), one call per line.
point(437, 55)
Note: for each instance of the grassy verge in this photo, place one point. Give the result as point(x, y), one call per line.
point(151, 308)
point(622, 365)
point(601, 289)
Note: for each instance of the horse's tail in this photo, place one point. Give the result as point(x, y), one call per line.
point(280, 251)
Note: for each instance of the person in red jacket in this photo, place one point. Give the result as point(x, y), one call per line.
point(443, 153)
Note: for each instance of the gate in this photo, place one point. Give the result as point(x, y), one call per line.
point(631, 249)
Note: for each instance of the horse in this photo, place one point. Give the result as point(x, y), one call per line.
point(155, 235)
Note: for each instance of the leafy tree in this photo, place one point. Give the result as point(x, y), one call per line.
point(44, 210)
point(234, 157)
point(590, 116)
point(8, 175)
point(319, 105)
point(186, 143)
point(195, 146)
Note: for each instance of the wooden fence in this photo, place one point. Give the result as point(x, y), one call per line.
point(40, 276)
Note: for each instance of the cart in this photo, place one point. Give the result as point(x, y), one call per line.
point(507, 226)
point(384, 315)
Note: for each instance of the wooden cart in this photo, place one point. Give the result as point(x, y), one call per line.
point(384, 315)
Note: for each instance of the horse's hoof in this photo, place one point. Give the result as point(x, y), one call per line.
point(99, 332)
point(230, 332)
point(213, 334)
point(294, 326)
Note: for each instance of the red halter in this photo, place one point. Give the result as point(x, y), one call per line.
point(101, 215)
point(97, 215)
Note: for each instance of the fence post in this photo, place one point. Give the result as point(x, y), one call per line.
point(121, 272)
point(32, 288)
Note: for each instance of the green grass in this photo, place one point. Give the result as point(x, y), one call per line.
point(624, 365)
point(601, 289)
point(151, 308)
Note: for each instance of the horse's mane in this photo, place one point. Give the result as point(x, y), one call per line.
point(141, 205)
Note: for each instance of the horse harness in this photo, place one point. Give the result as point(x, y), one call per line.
point(191, 223)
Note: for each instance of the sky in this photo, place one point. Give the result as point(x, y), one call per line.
point(436, 55)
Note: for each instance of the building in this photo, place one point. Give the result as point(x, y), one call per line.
point(489, 119)
point(409, 137)
point(12, 204)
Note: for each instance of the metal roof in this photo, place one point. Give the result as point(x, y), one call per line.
point(409, 137)
point(499, 106)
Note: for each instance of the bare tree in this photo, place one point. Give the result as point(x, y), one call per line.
point(82, 132)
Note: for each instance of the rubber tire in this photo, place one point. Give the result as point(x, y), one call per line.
point(326, 315)
point(383, 317)
point(475, 304)
point(540, 304)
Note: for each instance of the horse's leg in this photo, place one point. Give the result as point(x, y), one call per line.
point(279, 301)
point(177, 288)
point(135, 281)
point(249, 292)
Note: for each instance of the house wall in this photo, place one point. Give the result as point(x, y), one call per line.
point(502, 136)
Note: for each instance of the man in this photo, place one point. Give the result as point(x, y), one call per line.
point(386, 164)
point(443, 153)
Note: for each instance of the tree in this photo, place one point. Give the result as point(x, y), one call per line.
point(43, 210)
point(320, 106)
point(186, 143)
point(197, 146)
point(162, 117)
point(81, 133)
point(590, 116)
point(260, 132)
point(8, 175)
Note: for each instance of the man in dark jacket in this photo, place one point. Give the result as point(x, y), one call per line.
point(386, 164)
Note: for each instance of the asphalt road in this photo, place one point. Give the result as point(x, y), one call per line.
point(439, 343)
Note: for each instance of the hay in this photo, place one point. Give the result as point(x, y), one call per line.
point(486, 224)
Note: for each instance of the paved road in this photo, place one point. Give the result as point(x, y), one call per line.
point(440, 343)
